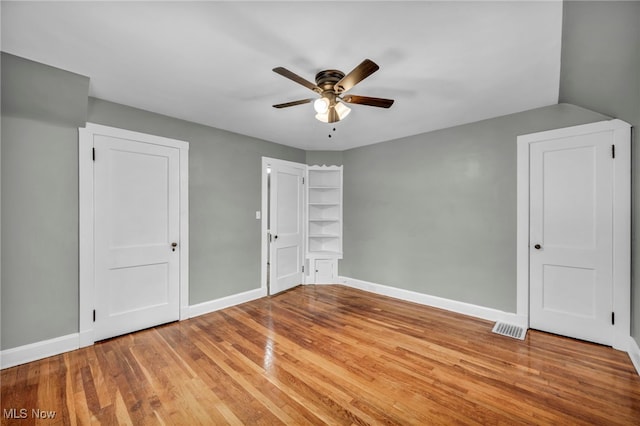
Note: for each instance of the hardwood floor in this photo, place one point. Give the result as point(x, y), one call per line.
point(328, 355)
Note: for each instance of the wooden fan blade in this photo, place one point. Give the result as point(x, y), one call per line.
point(366, 100)
point(293, 103)
point(359, 73)
point(295, 77)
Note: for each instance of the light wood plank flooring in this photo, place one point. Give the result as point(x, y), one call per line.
point(328, 355)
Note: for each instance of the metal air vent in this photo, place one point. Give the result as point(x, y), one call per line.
point(509, 330)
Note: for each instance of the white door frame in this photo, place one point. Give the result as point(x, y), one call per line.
point(621, 138)
point(86, 219)
point(264, 258)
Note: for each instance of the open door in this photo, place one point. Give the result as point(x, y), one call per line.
point(285, 224)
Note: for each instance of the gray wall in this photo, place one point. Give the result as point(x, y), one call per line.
point(324, 158)
point(436, 213)
point(40, 92)
point(41, 109)
point(224, 194)
point(600, 70)
point(39, 231)
point(39, 178)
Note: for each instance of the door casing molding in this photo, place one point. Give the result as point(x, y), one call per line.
point(86, 220)
point(621, 138)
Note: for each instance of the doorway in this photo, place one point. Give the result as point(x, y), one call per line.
point(573, 237)
point(283, 227)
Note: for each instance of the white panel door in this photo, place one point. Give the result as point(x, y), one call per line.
point(136, 235)
point(286, 227)
point(571, 252)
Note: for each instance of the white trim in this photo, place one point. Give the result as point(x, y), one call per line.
point(225, 302)
point(137, 136)
point(622, 234)
point(264, 241)
point(184, 232)
point(621, 221)
point(86, 247)
point(35, 351)
point(86, 219)
point(634, 354)
point(469, 309)
point(522, 230)
point(70, 342)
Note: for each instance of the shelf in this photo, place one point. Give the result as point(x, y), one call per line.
point(324, 177)
point(324, 216)
point(324, 253)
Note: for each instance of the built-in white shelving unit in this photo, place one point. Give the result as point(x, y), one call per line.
point(324, 233)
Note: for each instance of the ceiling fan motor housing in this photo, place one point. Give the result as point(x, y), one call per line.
point(328, 78)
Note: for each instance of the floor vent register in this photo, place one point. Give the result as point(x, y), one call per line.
point(510, 330)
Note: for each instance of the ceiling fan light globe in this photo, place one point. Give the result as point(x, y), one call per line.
point(321, 105)
point(324, 117)
point(342, 110)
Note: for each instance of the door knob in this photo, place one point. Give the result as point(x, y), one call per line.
point(537, 246)
point(173, 246)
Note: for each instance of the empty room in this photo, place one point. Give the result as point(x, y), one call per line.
point(319, 212)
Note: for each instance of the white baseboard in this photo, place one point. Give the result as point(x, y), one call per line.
point(35, 351)
point(476, 311)
point(86, 338)
point(225, 302)
point(634, 353)
point(46, 348)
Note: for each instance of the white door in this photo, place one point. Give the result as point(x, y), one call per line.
point(137, 219)
point(286, 222)
point(571, 237)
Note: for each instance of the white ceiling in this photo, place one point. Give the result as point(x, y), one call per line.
point(444, 63)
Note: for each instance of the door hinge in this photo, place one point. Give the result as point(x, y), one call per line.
point(93, 154)
point(613, 318)
point(302, 268)
point(303, 181)
point(94, 315)
point(613, 151)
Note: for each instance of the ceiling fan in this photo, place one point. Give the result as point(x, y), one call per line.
point(332, 85)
